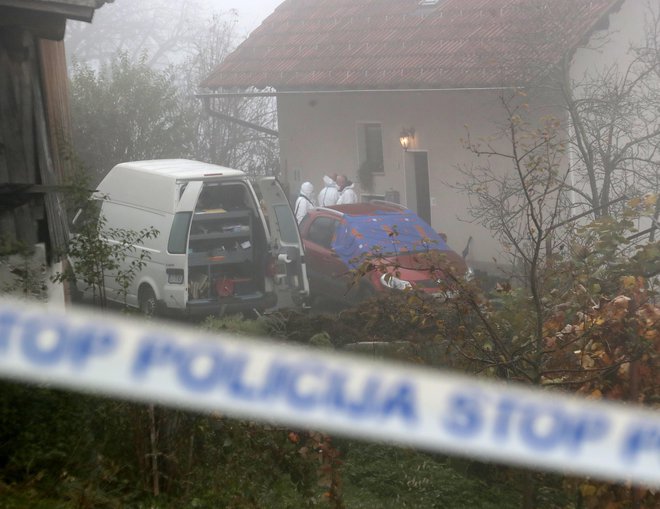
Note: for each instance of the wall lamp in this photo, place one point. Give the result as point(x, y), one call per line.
point(406, 137)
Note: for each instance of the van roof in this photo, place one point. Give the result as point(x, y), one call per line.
point(181, 169)
point(156, 184)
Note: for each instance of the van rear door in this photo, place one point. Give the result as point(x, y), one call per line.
point(286, 245)
point(175, 286)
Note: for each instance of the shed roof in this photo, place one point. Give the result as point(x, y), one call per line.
point(82, 10)
point(370, 44)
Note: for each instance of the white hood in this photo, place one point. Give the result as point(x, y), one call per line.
point(307, 189)
point(328, 182)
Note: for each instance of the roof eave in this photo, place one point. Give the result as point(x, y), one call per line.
point(244, 91)
point(70, 11)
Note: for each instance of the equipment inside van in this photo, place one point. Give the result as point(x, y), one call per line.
point(224, 243)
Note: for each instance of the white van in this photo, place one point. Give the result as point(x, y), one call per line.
point(223, 246)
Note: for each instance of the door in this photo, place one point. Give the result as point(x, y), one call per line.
point(175, 287)
point(286, 245)
point(328, 275)
point(421, 165)
point(416, 184)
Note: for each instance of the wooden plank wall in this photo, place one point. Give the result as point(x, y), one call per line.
point(53, 123)
point(18, 155)
point(56, 95)
point(34, 121)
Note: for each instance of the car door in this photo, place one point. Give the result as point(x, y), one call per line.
point(285, 242)
point(328, 274)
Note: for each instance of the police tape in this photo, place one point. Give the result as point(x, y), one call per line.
point(355, 396)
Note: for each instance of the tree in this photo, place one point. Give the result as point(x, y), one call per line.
point(126, 112)
point(152, 113)
point(611, 108)
point(223, 135)
point(581, 314)
point(167, 31)
point(523, 208)
point(96, 259)
point(614, 114)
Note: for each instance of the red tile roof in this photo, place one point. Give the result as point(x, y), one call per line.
point(364, 44)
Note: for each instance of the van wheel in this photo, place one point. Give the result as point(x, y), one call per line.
point(147, 302)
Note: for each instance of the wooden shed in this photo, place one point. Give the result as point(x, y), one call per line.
point(34, 120)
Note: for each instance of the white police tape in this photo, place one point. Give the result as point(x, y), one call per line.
point(348, 395)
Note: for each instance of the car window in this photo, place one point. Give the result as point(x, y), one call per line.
point(322, 231)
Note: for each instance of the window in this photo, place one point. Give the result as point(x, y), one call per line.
point(367, 197)
point(370, 144)
point(322, 231)
point(178, 240)
point(286, 222)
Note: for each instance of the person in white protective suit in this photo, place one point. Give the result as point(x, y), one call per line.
point(330, 193)
point(347, 192)
point(305, 201)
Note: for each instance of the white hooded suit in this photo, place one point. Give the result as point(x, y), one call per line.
point(305, 201)
point(347, 195)
point(329, 194)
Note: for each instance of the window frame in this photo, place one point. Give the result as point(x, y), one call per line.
point(367, 147)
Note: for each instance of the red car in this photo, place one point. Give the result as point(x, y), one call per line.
point(404, 250)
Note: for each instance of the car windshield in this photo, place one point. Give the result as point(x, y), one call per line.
point(384, 233)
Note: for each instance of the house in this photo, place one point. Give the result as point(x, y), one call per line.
point(34, 123)
point(356, 80)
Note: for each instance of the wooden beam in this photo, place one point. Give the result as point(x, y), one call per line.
point(42, 25)
point(63, 8)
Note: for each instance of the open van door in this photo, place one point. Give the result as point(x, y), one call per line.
point(286, 245)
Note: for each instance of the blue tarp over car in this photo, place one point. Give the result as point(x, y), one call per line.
point(384, 232)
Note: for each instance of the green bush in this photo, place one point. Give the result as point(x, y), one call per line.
point(382, 476)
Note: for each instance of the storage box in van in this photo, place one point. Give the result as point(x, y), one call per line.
point(224, 244)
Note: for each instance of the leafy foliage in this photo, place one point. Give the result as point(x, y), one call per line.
point(21, 271)
point(143, 114)
point(150, 111)
point(381, 476)
point(100, 254)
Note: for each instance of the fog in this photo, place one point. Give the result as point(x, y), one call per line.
point(250, 12)
point(165, 32)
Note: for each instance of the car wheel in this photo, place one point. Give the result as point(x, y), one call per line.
point(147, 301)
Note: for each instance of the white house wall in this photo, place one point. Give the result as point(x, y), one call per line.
point(612, 45)
point(319, 133)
